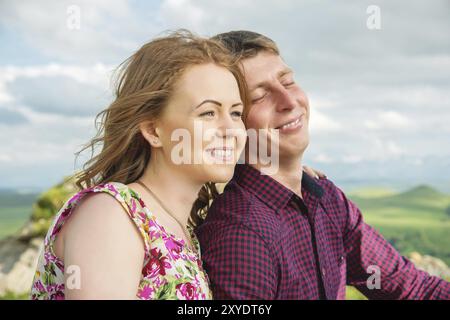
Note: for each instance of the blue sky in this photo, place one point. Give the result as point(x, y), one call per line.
point(380, 99)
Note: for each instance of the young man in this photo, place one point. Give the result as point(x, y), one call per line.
point(287, 235)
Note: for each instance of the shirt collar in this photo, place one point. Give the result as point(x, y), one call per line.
point(271, 191)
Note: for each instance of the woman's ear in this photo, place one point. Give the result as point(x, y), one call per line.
point(150, 133)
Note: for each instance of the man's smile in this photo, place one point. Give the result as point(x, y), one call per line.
point(291, 125)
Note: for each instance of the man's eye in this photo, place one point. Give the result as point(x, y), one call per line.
point(207, 114)
point(259, 99)
point(288, 84)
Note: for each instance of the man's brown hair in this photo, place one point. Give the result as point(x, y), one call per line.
point(245, 44)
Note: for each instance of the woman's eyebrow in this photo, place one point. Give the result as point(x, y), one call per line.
point(209, 101)
point(216, 102)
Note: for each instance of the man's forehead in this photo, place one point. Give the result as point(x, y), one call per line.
point(263, 67)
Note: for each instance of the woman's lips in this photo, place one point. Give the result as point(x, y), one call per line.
point(221, 154)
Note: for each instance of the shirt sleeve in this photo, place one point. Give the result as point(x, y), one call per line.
point(238, 263)
point(369, 255)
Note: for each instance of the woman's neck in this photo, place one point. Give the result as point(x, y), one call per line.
point(175, 189)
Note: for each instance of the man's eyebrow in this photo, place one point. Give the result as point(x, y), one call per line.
point(216, 102)
point(284, 72)
point(280, 74)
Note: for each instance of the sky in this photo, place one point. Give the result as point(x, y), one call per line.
point(380, 97)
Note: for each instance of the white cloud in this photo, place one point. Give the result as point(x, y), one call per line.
point(376, 97)
point(352, 159)
point(321, 123)
point(43, 24)
point(323, 158)
point(77, 90)
point(389, 120)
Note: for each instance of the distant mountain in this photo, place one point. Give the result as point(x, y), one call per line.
point(422, 191)
point(422, 196)
point(13, 198)
point(412, 221)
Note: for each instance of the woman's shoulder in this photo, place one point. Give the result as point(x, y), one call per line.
point(100, 202)
point(106, 193)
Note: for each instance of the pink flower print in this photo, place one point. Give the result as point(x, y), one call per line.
point(186, 291)
point(141, 202)
point(145, 292)
point(173, 247)
point(156, 265)
point(38, 286)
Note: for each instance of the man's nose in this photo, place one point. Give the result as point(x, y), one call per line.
point(284, 100)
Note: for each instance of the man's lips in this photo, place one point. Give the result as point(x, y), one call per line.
point(291, 123)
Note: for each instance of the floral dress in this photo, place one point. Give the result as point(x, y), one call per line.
point(171, 269)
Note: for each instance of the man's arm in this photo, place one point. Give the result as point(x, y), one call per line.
point(238, 263)
point(399, 278)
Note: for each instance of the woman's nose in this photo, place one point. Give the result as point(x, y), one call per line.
point(226, 126)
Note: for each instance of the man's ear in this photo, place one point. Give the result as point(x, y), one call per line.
point(150, 133)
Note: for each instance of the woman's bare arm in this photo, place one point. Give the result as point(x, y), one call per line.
point(102, 243)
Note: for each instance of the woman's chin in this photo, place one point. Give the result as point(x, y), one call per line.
point(220, 173)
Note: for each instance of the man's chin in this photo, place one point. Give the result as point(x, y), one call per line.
point(293, 150)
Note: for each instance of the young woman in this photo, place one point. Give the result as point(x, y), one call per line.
point(125, 234)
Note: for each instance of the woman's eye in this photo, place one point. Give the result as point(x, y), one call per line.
point(236, 114)
point(207, 114)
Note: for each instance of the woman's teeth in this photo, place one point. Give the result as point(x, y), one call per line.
point(221, 153)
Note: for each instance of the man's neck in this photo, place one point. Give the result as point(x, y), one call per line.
point(289, 174)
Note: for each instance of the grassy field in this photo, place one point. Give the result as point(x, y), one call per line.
point(15, 209)
point(415, 220)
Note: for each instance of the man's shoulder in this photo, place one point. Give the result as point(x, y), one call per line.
point(329, 189)
point(334, 202)
point(237, 208)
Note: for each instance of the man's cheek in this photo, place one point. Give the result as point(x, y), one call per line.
point(252, 120)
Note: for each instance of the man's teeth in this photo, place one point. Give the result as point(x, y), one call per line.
point(290, 124)
point(220, 153)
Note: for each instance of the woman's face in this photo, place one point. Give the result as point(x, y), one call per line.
point(201, 128)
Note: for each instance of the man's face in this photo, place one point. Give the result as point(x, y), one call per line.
point(277, 103)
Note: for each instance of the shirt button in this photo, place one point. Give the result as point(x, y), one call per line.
point(323, 272)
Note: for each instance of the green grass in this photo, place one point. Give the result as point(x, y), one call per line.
point(414, 220)
point(12, 218)
point(15, 210)
point(13, 296)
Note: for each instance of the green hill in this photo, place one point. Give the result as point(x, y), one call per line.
point(414, 220)
point(15, 210)
point(32, 214)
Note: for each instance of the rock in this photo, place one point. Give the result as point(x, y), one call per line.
point(432, 265)
point(18, 264)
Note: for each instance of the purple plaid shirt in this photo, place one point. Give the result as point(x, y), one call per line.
point(261, 241)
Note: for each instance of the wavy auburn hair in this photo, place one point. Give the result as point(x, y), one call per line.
point(144, 84)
